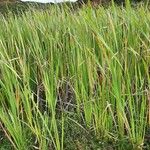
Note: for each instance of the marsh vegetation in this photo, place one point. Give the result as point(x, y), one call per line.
point(75, 79)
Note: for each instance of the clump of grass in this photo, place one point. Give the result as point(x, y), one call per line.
point(90, 67)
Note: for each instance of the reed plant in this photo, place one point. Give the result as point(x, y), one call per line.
point(90, 67)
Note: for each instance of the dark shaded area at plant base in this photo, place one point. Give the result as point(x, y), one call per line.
point(80, 139)
point(147, 139)
point(77, 138)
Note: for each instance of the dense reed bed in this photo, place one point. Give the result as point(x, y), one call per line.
point(70, 77)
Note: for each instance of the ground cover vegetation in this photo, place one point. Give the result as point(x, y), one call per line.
point(75, 79)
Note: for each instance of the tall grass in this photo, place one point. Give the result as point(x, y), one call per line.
point(90, 67)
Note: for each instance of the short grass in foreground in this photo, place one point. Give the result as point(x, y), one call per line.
point(75, 79)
